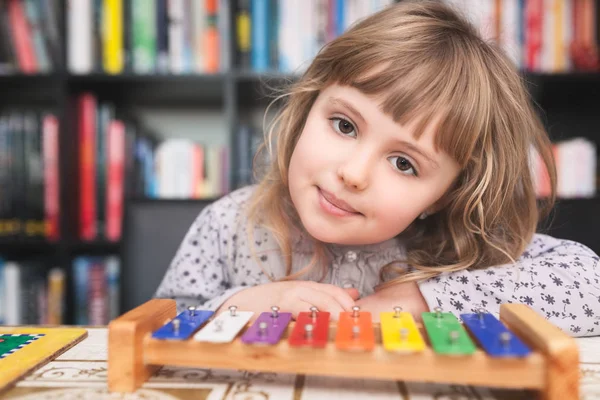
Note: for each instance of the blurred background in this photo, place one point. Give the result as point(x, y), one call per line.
point(109, 104)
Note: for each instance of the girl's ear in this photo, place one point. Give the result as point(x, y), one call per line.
point(445, 199)
point(437, 206)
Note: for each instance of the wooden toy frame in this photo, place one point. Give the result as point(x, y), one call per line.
point(552, 369)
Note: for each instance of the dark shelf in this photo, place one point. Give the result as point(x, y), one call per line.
point(258, 87)
point(27, 246)
point(564, 76)
point(26, 241)
point(30, 79)
point(94, 246)
point(31, 89)
point(146, 78)
point(152, 89)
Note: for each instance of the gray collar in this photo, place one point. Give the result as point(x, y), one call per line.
point(303, 243)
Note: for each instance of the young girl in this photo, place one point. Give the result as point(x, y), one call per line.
point(399, 177)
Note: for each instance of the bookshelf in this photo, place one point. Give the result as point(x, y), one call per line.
point(568, 103)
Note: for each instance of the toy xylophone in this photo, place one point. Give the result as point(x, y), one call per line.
point(521, 350)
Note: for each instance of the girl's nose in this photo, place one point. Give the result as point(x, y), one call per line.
point(355, 171)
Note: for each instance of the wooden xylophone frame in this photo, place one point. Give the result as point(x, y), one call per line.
point(552, 370)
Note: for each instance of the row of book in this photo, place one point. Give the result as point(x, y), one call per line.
point(96, 289)
point(286, 35)
point(31, 292)
point(576, 169)
point(120, 158)
point(29, 38)
point(548, 36)
point(185, 169)
point(148, 36)
point(29, 174)
point(193, 36)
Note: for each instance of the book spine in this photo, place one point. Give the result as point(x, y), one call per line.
point(38, 46)
point(56, 293)
point(51, 177)
point(80, 47)
point(162, 36)
point(34, 187)
point(12, 279)
point(19, 172)
point(106, 113)
point(112, 23)
point(115, 181)
point(87, 163)
point(5, 177)
point(176, 36)
point(211, 37)
point(243, 36)
point(199, 26)
point(49, 21)
point(260, 35)
point(144, 42)
point(80, 290)
point(113, 285)
point(225, 35)
point(22, 37)
point(97, 293)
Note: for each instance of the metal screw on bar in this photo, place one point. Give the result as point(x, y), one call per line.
point(262, 327)
point(192, 310)
point(438, 312)
point(313, 312)
point(403, 334)
point(176, 323)
point(232, 311)
point(481, 312)
point(355, 311)
point(397, 311)
point(505, 339)
point(308, 330)
point(218, 325)
point(274, 312)
point(454, 337)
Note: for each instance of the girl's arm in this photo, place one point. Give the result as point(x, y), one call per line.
point(560, 279)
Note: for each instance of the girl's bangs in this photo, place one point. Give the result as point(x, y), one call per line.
point(433, 91)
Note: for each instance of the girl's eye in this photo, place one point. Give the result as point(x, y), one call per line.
point(342, 126)
point(403, 165)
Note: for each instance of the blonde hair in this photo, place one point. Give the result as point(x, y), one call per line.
point(430, 64)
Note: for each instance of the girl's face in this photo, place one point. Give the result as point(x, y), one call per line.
point(358, 177)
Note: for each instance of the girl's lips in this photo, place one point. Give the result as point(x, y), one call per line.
point(335, 206)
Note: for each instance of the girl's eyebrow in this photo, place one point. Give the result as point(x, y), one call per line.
point(336, 101)
point(417, 150)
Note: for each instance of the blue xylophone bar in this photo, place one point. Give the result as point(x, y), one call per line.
point(184, 325)
point(491, 334)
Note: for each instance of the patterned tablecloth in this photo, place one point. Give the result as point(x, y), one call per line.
point(81, 372)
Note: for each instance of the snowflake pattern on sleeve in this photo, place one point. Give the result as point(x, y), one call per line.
point(560, 279)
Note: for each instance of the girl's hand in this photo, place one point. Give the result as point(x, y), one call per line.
point(294, 297)
point(405, 295)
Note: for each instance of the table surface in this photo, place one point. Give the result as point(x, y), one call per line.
point(80, 373)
